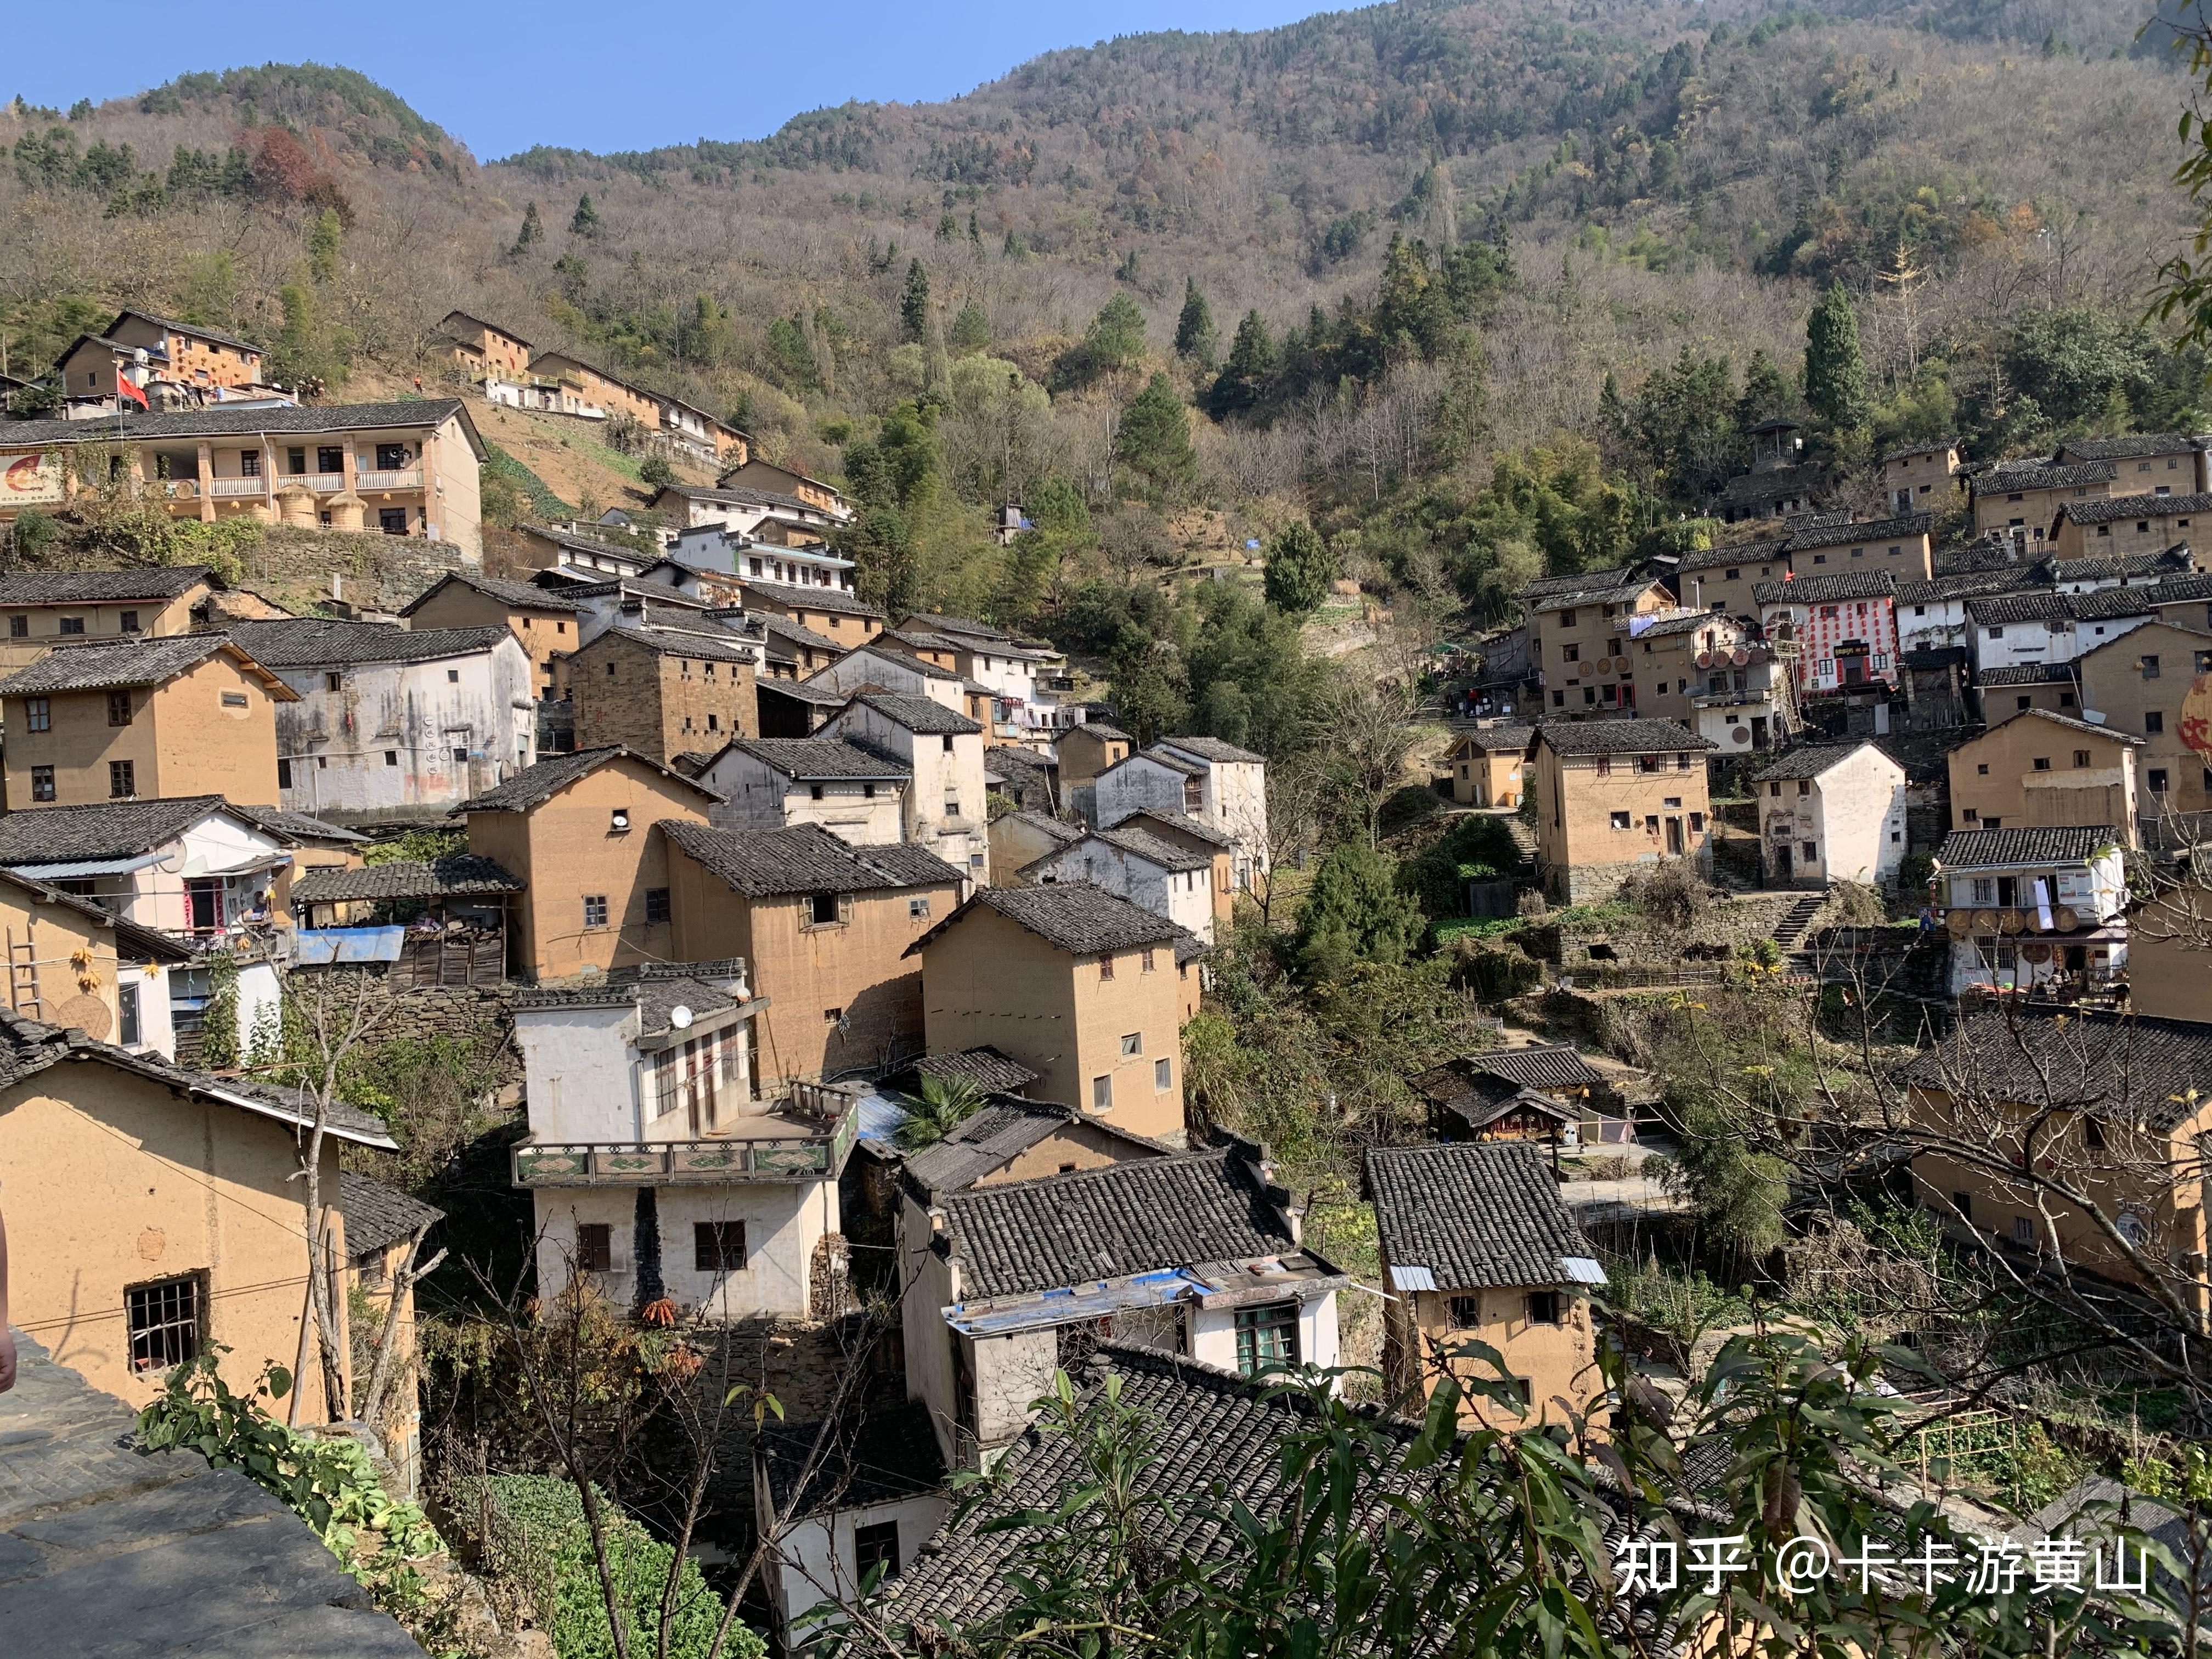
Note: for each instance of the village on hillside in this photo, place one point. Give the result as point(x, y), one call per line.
point(592, 1071)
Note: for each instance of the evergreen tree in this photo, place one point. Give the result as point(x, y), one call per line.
point(1154, 437)
point(1766, 391)
point(585, 221)
point(1243, 379)
point(655, 471)
point(532, 234)
point(1835, 373)
point(1355, 914)
point(1611, 409)
point(1300, 568)
point(1194, 337)
point(971, 329)
point(975, 233)
point(323, 243)
point(1116, 336)
point(914, 303)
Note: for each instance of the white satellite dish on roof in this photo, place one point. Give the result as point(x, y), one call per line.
point(679, 1017)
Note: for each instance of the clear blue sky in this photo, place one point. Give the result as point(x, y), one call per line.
point(503, 76)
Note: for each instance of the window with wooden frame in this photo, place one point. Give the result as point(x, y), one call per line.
point(718, 1246)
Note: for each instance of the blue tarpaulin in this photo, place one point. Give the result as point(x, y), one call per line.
point(313, 947)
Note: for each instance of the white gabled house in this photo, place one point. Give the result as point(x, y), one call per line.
point(1831, 812)
point(942, 749)
point(856, 793)
point(1223, 787)
point(2034, 907)
point(1131, 863)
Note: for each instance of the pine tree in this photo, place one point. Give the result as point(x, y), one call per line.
point(1611, 409)
point(532, 234)
point(975, 233)
point(1194, 336)
point(1766, 391)
point(1116, 336)
point(1154, 437)
point(1243, 379)
point(914, 303)
point(585, 221)
point(1835, 373)
point(1300, 568)
point(1354, 913)
point(971, 329)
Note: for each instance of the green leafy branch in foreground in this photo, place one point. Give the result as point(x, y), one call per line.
point(1385, 1536)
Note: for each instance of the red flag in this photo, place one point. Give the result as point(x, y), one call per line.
point(123, 386)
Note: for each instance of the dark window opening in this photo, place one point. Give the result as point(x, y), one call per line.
point(595, 1247)
point(164, 1323)
point(656, 904)
point(822, 908)
point(719, 1247)
point(1266, 1337)
point(1543, 1307)
point(1466, 1312)
point(876, 1551)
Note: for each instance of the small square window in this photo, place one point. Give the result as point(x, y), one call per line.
point(595, 909)
point(617, 820)
point(2153, 722)
point(235, 700)
point(452, 676)
point(2041, 763)
point(595, 1247)
point(392, 757)
point(822, 908)
point(917, 908)
point(1623, 821)
point(19, 627)
point(833, 1016)
point(333, 682)
point(1543, 1307)
point(42, 783)
point(72, 625)
point(1133, 1045)
point(1102, 1094)
point(1983, 769)
point(656, 904)
point(718, 1246)
point(164, 1323)
point(460, 757)
point(122, 779)
point(128, 622)
point(1465, 1312)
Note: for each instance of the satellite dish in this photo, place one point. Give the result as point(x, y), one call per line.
point(679, 1017)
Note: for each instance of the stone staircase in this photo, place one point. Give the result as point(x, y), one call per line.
point(1524, 837)
point(1789, 931)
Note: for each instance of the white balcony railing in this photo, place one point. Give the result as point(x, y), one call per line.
point(323, 483)
point(412, 479)
point(237, 487)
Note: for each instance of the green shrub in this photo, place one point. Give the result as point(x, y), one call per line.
point(537, 1540)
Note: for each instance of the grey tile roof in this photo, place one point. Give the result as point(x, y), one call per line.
point(2110, 508)
point(783, 627)
point(1153, 819)
point(874, 1456)
point(656, 990)
point(1582, 581)
point(1826, 590)
point(1619, 738)
point(28, 1047)
point(1733, 554)
point(1097, 729)
point(1123, 1219)
point(2173, 561)
point(2124, 1066)
point(707, 644)
point(2030, 673)
point(1963, 585)
point(315, 642)
point(967, 625)
point(2171, 590)
point(805, 858)
point(1808, 760)
point(1626, 594)
point(1220, 1442)
point(95, 586)
point(1980, 849)
point(1061, 833)
point(1982, 554)
point(108, 663)
point(921, 715)
point(2068, 723)
point(1157, 850)
point(300, 826)
point(105, 829)
point(996, 1134)
point(580, 543)
point(804, 758)
point(457, 875)
point(2000, 608)
point(96, 1530)
point(133, 943)
point(1476, 1214)
point(2111, 604)
point(2133, 448)
point(523, 596)
point(220, 423)
point(1546, 1065)
point(986, 1067)
point(1902, 528)
point(1160, 756)
point(813, 598)
point(2008, 477)
point(534, 784)
point(1498, 740)
point(1213, 748)
point(378, 1215)
point(1074, 916)
point(1934, 448)
point(1669, 626)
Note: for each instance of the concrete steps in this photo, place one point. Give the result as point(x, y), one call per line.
point(1798, 919)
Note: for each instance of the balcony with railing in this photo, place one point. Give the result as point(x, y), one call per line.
point(410, 479)
point(238, 487)
point(807, 1136)
point(323, 483)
